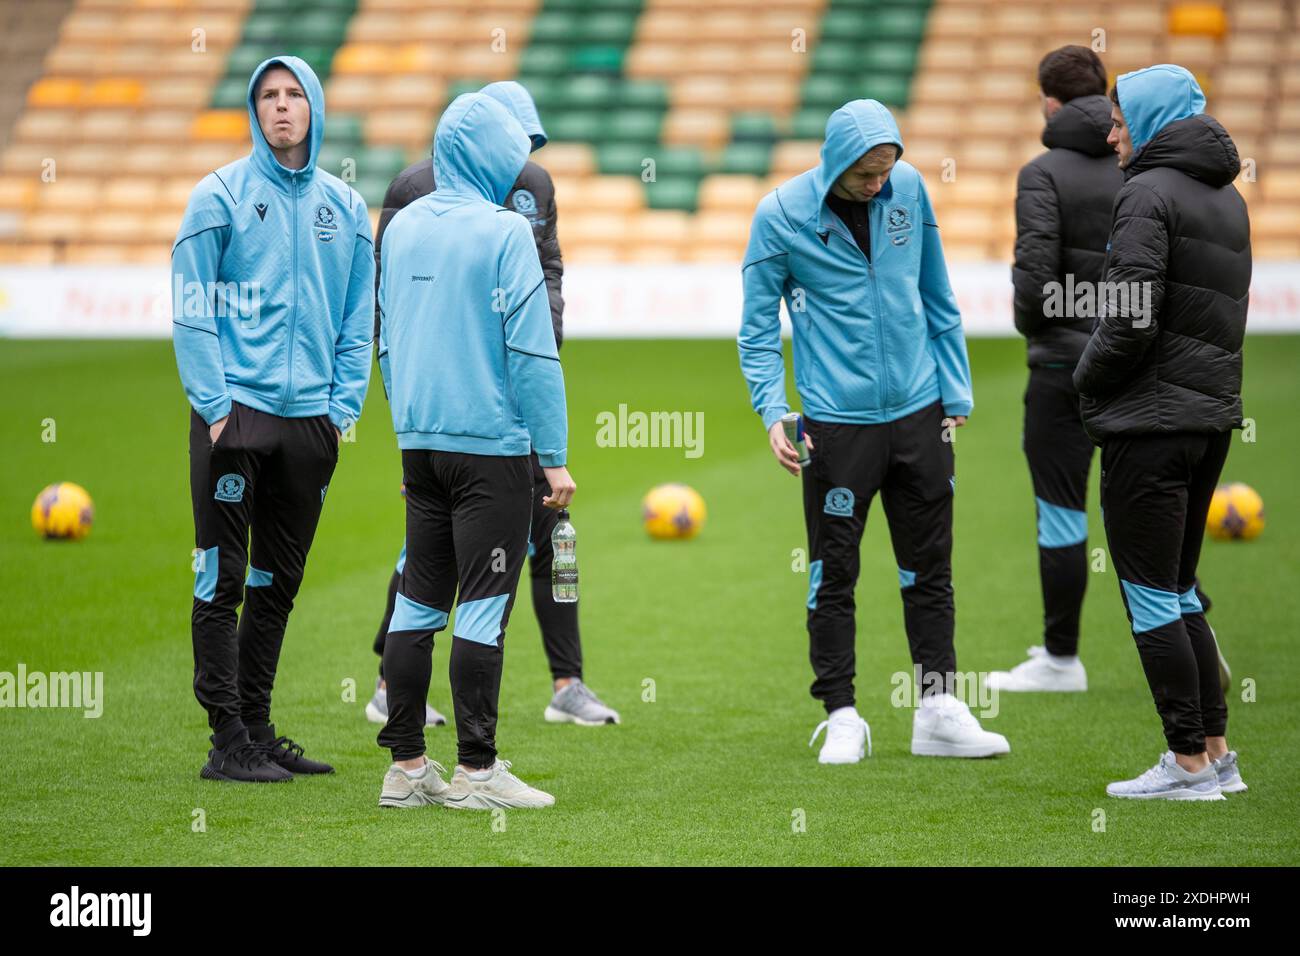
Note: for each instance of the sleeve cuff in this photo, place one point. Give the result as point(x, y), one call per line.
point(340, 418)
point(958, 408)
point(774, 414)
point(553, 460)
point(216, 411)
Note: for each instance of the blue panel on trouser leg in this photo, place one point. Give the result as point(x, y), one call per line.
point(814, 582)
point(906, 578)
point(205, 578)
point(1189, 603)
point(1060, 527)
point(1150, 607)
point(256, 578)
point(480, 621)
point(532, 548)
point(410, 615)
point(401, 559)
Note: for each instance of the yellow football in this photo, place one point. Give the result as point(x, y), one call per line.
point(63, 510)
point(1236, 512)
point(672, 511)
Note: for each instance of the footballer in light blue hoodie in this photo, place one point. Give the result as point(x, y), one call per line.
point(466, 347)
point(874, 340)
point(273, 282)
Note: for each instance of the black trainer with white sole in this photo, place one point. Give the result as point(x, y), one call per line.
point(244, 762)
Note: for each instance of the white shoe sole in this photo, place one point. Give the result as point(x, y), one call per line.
point(1168, 795)
point(484, 801)
point(373, 714)
point(1014, 688)
point(1236, 786)
point(841, 760)
point(554, 716)
point(410, 801)
point(944, 748)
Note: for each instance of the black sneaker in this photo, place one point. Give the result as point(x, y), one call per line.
point(284, 753)
point(243, 763)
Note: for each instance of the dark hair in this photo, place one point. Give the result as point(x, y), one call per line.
point(1070, 72)
point(1114, 94)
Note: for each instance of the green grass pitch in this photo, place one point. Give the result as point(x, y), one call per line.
point(716, 769)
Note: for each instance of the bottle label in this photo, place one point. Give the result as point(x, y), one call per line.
point(563, 576)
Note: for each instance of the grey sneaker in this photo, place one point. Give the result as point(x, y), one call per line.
point(1168, 781)
point(576, 704)
point(377, 710)
point(1229, 776)
point(402, 790)
point(492, 789)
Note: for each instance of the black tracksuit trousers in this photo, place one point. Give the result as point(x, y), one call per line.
point(266, 475)
point(558, 622)
point(466, 534)
point(1059, 453)
point(910, 462)
point(1155, 492)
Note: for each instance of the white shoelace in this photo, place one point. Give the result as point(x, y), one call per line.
point(847, 723)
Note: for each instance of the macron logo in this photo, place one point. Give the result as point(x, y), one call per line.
point(422, 278)
point(102, 909)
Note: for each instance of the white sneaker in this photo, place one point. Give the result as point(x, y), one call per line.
point(1042, 671)
point(1168, 781)
point(847, 737)
point(1225, 768)
point(402, 790)
point(943, 726)
point(377, 710)
point(492, 789)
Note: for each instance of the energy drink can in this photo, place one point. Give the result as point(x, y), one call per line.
point(793, 424)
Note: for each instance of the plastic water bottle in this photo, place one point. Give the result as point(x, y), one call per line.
point(564, 561)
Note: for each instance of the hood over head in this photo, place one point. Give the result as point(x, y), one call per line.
point(1153, 98)
point(263, 158)
point(1081, 124)
point(853, 129)
point(1197, 146)
point(479, 148)
point(516, 98)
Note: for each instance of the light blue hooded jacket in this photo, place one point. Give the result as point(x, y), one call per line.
point(466, 347)
point(514, 97)
point(273, 282)
point(1153, 98)
point(874, 340)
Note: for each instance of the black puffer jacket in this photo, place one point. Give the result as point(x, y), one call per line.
point(1063, 205)
point(532, 196)
point(1181, 226)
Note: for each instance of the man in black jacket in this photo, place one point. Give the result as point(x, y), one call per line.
point(533, 197)
point(1160, 381)
point(1063, 205)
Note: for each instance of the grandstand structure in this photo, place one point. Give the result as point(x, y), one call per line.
point(668, 119)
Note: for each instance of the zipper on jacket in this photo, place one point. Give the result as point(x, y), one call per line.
point(875, 298)
point(293, 315)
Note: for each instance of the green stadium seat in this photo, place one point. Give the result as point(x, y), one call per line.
point(646, 94)
point(897, 24)
point(676, 193)
point(269, 28)
point(545, 58)
point(576, 125)
point(586, 93)
point(888, 58)
point(231, 93)
point(753, 128)
point(624, 159)
point(608, 28)
point(634, 125)
point(889, 88)
point(837, 56)
point(556, 27)
point(343, 128)
point(752, 159)
point(827, 91)
point(598, 59)
point(809, 123)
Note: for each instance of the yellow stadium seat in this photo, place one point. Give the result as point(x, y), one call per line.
point(17, 192)
point(220, 125)
point(131, 192)
point(793, 156)
point(68, 192)
point(1197, 19)
point(55, 91)
point(720, 227)
point(613, 193)
point(686, 126)
point(566, 159)
point(725, 193)
point(366, 58)
point(114, 92)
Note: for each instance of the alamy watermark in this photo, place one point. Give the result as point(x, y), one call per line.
point(1086, 300)
point(78, 690)
point(633, 429)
